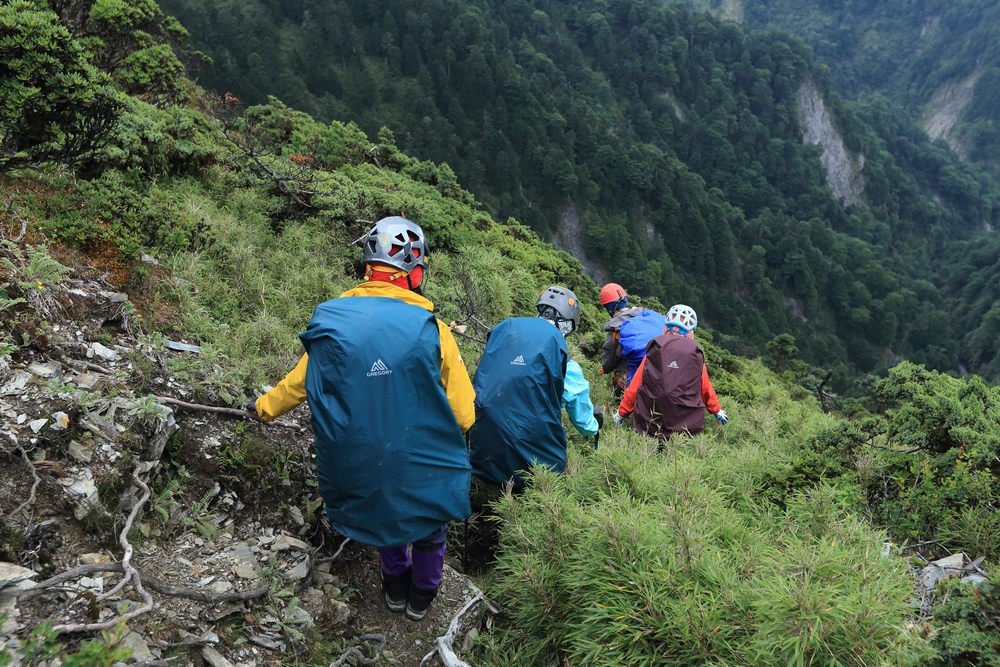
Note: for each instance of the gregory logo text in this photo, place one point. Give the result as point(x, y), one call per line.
point(379, 368)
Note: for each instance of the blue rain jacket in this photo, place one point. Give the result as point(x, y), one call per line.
point(391, 459)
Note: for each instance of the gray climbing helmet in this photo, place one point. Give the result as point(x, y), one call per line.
point(397, 242)
point(561, 307)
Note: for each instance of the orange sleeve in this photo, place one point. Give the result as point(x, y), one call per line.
point(708, 393)
point(628, 400)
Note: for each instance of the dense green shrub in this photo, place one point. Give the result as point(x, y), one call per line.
point(936, 468)
point(968, 624)
point(54, 105)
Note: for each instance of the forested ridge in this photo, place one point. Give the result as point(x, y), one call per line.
point(903, 51)
point(673, 135)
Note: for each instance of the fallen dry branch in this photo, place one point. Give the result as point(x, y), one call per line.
point(335, 556)
point(442, 645)
point(131, 574)
point(147, 581)
point(34, 487)
point(354, 650)
point(18, 218)
point(224, 411)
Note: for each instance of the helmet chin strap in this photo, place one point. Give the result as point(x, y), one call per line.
point(370, 271)
point(391, 275)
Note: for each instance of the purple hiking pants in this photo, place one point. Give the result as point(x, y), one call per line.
point(427, 559)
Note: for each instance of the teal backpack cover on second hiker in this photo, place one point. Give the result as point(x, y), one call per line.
point(391, 460)
point(636, 334)
point(519, 382)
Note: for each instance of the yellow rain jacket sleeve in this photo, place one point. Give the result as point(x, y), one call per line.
point(291, 391)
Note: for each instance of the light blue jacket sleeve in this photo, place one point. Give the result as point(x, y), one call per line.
point(576, 400)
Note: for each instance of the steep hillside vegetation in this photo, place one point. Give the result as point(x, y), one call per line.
point(673, 136)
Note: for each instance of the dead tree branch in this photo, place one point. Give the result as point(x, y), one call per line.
point(354, 650)
point(442, 645)
point(465, 335)
point(224, 411)
point(827, 408)
point(14, 214)
point(295, 176)
point(131, 574)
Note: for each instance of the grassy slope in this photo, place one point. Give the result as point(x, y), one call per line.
point(721, 569)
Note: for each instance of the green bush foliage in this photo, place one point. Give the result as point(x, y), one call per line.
point(968, 621)
point(936, 471)
point(54, 105)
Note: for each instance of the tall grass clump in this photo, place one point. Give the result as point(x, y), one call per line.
point(636, 556)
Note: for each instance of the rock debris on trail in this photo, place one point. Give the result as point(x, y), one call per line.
point(231, 546)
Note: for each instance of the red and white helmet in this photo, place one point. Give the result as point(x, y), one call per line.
point(683, 317)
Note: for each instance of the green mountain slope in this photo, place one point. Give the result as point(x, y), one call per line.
point(673, 137)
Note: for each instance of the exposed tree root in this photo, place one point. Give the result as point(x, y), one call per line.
point(130, 572)
point(34, 487)
point(147, 581)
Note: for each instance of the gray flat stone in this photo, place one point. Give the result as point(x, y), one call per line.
point(11, 574)
point(214, 658)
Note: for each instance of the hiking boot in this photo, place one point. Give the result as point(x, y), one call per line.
point(396, 587)
point(417, 602)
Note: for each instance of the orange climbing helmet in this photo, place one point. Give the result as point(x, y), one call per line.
point(613, 297)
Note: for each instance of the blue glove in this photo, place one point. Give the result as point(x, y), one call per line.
point(618, 418)
point(722, 416)
point(251, 406)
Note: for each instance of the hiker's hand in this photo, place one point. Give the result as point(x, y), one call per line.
point(618, 418)
point(251, 407)
point(600, 371)
point(598, 416)
point(722, 416)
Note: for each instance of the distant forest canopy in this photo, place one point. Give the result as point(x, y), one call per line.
point(905, 50)
point(675, 138)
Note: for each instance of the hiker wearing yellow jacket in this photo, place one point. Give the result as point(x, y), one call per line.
point(390, 400)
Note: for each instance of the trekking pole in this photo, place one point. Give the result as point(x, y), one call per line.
point(600, 422)
point(465, 548)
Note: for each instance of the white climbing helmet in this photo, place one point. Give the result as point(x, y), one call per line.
point(683, 317)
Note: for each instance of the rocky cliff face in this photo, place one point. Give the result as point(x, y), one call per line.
point(843, 171)
point(945, 108)
point(568, 239)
